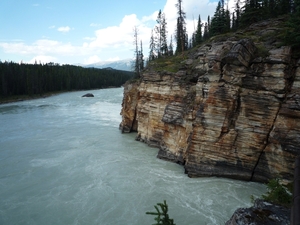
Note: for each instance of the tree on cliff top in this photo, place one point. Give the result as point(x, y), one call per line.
point(181, 34)
point(293, 33)
point(139, 57)
point(160, 39)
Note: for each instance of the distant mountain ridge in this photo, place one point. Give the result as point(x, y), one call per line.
point(125, 64)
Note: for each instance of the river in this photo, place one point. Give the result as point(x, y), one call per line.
point(63, 160)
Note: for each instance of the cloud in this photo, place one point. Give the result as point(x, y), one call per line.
point(113, 59)
point(121, 35)
point(89, 38)
point(95, 25)
point(192, 8)
point(114, 42)
point(92, 59)
point(42, 59)
point(39, 47)
point(64, 29)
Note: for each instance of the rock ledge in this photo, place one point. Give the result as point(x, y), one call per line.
point(262, 213)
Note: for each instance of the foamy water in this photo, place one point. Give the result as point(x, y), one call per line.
point(64, 161)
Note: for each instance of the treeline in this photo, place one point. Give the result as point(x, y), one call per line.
point(250, 12)
point(35, 79)
point(223, 21)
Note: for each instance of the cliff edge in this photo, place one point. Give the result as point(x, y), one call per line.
point(229, 108)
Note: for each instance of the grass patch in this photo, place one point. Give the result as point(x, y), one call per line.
point(262, 51)
point(169, 63)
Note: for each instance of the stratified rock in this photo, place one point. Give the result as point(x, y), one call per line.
point(129, 105)
point(262, 213)
point(226, 112)
point(241, 53)
point(88, 95)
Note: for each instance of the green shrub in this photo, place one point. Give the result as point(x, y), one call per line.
point(277, 193)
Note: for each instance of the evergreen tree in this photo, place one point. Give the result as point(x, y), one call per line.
point(269, 7)
point(164, 43)
point(137, 54)
point(252, 12)
point(237, 18)
point(162, 215)
point(206, 32)
point(181, 36)
point(293, 33)
point(141, 58)
point(208, 25)
point(152, 47)
point(198, 36)
point(37, 79)
point(170, 49)
point(158, 36)
point(219, 21)
point(234, 28)
point(227, 21)
point(284, 7)
point(160, 40)
point(216, 22)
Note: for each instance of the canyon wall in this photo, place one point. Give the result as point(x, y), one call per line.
point(231, 110)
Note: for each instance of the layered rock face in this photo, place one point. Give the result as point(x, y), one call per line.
point(227, 112)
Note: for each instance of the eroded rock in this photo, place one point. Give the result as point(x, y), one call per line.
point(88, 95)
point(262, 213)
point(228, 112)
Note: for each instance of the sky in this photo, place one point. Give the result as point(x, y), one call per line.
point(86, 32)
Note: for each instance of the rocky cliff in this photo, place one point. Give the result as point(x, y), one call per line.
point(230, 108)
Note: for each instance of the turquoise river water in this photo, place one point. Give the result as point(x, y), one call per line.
point(63, 160)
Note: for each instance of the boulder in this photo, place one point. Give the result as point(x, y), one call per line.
point(88, 95)
point(262, 213)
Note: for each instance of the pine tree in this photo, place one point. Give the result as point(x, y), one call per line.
point(137, 54)
point(181, 36)
point(198, 36)
point(284, 7)
point(170, 48)
point(227, 21)
point(236, 20)
point(160, 40)
point(141, 58)
point(164, 43)
point(234, 28)
point(252, 12)
point(152, 47)
point(220, 23)
point(158, 37)
point(293, 33)
point(206, 32)
point(162, 216)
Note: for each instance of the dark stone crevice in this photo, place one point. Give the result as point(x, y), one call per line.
point(262, 153)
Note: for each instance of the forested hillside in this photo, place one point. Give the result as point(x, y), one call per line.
point(223, 21)
point(38, 79)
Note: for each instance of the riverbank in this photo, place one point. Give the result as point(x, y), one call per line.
point(20, 98)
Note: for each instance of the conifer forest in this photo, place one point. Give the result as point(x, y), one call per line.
point(39, 79)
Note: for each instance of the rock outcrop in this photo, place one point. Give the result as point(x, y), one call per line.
point(262, 213)
point(88, 95)
point(231, 110)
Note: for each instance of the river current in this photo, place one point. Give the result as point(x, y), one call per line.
point(63, 160)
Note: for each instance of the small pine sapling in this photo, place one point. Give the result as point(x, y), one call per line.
point(162, 217)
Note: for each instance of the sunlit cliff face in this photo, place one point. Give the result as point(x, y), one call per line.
point(229, 111)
